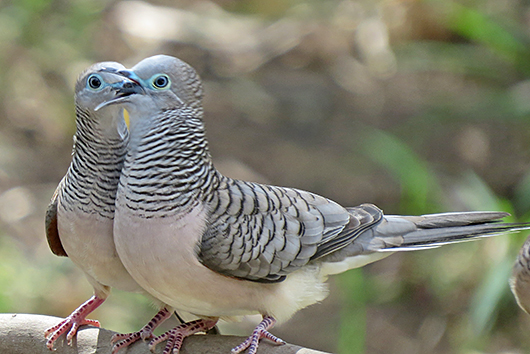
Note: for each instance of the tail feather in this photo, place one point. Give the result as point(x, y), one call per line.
point(393, 233)
point(432, 238)
point(431, 221)
point(435, 230)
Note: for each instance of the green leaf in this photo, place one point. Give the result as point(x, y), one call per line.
point(418, 183)
point(352, 334)
point(486, 300)
point(473, 24)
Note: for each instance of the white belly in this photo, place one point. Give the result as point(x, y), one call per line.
point(88, 241)
point(161, 254)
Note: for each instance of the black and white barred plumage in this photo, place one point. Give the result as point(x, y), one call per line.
point(254, 231)
point(91, 181)
point(215, 246)
point(79, 219)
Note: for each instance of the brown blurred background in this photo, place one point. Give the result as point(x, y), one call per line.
point(416, 106)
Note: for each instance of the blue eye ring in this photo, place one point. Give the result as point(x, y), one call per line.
point(94, 82)
point(161, 81)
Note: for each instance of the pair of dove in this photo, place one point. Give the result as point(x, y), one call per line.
point(145, 210)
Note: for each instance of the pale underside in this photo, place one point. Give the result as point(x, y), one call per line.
point(161, 253)
point(87, 239)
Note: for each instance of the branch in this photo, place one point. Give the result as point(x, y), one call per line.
point(23, 334)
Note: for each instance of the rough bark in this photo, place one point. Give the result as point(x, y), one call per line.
point(24, 333)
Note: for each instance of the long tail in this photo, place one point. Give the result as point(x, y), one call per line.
point(392, 233)
point(435, 230)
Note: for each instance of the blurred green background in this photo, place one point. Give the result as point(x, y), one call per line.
point(416, 106)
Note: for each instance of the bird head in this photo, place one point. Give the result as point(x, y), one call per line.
point(157, 83)
point(95, 87)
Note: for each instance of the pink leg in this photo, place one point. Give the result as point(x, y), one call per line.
point(73, 322)
point(124, 340)
point(261, 331)
point(176, 336)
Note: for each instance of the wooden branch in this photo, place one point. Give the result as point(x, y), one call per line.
point(24, 334)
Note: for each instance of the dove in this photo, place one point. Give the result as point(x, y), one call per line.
point(79, 219)
point(220, 248)
point(520, 279)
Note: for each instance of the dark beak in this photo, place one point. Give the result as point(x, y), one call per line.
point(127, 88)
point(123, 90)
point(124, 73)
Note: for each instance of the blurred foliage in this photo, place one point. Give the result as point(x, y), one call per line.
point(351, 338)
point(476, 26)
point(417, 106)
point(419, 188)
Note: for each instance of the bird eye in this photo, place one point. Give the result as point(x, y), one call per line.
point(94, 82)
point(161, 81)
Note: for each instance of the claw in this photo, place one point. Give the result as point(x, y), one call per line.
point(176, 336)
point(261, 331)
point(126, 339)
point(72, 323)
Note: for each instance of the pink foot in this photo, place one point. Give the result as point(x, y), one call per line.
point(124, 340)
point(261, 331)
point(176, 336)
point(73, 322)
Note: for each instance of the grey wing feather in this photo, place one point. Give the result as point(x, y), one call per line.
point(263, 233)
point(52, 232)
point(362, 217)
